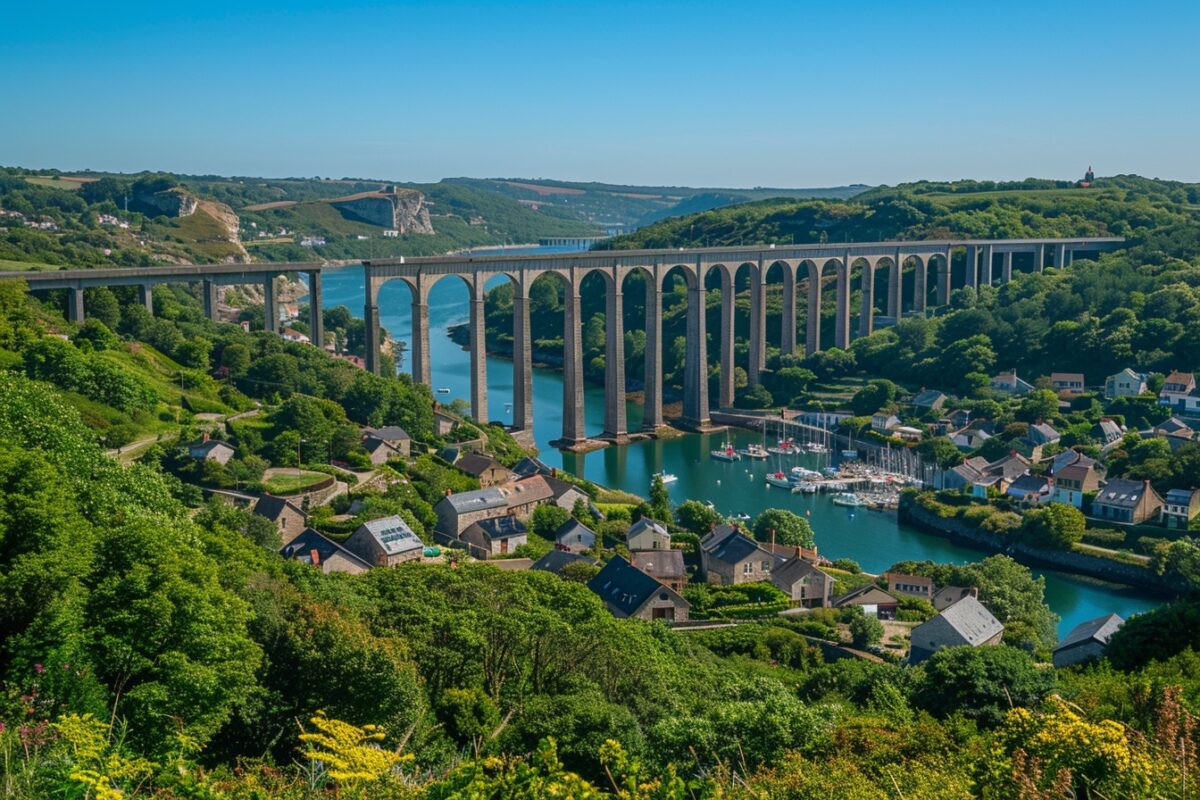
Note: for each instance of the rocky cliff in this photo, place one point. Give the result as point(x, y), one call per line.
point(392, 208)
point(228, 220)
point(171, 202)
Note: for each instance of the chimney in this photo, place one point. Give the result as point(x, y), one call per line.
point(447, 491)
point(204, 437)
point(799, 551)
point(315, 556)
point(772, 537)
point(554, 472)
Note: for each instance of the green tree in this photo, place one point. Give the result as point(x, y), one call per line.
point(546, 519)
point(865, 630)
point(1038, 405)
point(697, 517)
point(660, 500)
point(1055, 525)
point(875, 395)
point(981, 683)
point(787, 528)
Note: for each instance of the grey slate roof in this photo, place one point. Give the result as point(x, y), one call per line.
point(390, 433)
point(476, 500)
point(792, 570)
point(530, 466)
point(555, 560)
point(1121, 492)
point(272, 507)
point(573, 527)
point(498, 528)
point(476, 464)
point(642, 524)
point(624, 587)
point(665, 565)
point(1180, 497)
point(717, 535)
point(1099, 629)
point(738, 547)
point(965, 622)
point(393, 535)
point(928, 398)
point(1029, 484)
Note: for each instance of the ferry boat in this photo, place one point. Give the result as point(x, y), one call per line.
point(779, 479)
point(754, 451)
point(725, 453)
point(443, 390)
point(847, 499)
point(805, 487)
point(666, 477)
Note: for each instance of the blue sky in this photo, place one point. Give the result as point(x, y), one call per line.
point(694, 93)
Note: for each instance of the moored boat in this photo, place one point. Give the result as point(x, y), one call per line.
point(847, 499)
point(725, 453)
point(779, 479)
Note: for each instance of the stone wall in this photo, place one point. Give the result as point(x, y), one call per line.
point(1063, 560)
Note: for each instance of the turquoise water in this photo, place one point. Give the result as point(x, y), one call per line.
point(874, 539)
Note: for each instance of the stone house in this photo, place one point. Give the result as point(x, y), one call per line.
point(736, 558)
point(393, 436)
point(665, 566)
point(1031, 490)
point(574, 537)
point(629, 592)
point(556, 560)
point(457, 511)
point(1125, 383)
point(647, 534)
point(311, 548)
point(1180, 507)
point(966, 622)
point(875, 602)
point(486, 469)
point(911, 585)
point(498, 536)
point(1087, 641)
point(385, 542)
point(947, 596)
point(286, 515)
point(804, 584)
point(928, 400)
point(207, 449)
point(525, 495)
point(379, 451)
point(1127, 502)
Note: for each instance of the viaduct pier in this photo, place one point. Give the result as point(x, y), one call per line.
point(842, 266)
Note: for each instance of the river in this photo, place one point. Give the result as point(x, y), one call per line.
point(874, 539)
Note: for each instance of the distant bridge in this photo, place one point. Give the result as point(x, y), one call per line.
point(581, 242)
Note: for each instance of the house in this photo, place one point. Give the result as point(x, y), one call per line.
point(929, 400)
point(884, 421)
point(947, 596)
point(385, 542)
point(1126, 501)
point(1069, 383)
point(527, 494)
point(911, 585)
point(1107, 432)
point(647, 534)
point(1075, 480)
point(1031, 489)
point(804, 584)
point(443, 423)
point(1174, 430)
point(379, 451)
point(293, 335)
point(1179, 393)
point(1009, 383)
point(1087, 641)
point(875, 602)
point(665, 566)
point(556, 560)
point(1180, 507)
point(392, 435)
point(530, 466)
point(457, 511)
point(286, 515)
point(959, 418)
point(978, 474)
point(736, 558)
point(207, 449)
point(966, 622)
point(1043, 434)
point(574, 537)
point(907, 433)
point(486, 469)
point(310, 547)
point(629, 592)
point(970, 438)
point(1125, 383)
point(498, 536)
point(567, 494)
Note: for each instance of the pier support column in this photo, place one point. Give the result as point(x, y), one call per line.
point(1068, 256)
point(812, 339)
point(421, 371)
point(920, 285)
point(270, 307)
point(75, 312)
point(944, 281)
point(985, 268)
point(758, 327)
point(893, 297)
point(787, 337)
point(1039, 258)
point(371, 332)
point(866, 319)
point(573, 428)
point(695, 384)
point(841, 334)
point(727, 341)
point(479, 404)
point(615, 423)
point(652, 415)
point(522, 364)
point(145, 293)
point(316, 311)
point(971, 269)
point(1006, 267)
point(208, 294)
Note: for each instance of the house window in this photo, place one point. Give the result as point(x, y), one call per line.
point(748, 568)
point(654, 545)
point(766, 566)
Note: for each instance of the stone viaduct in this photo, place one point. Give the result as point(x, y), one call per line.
point(814, 264)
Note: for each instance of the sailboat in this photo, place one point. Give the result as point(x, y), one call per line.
point(779, 479)
point(725, 453)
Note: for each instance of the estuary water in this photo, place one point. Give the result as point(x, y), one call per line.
point(876, 540)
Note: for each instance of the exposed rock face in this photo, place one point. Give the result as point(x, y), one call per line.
point(171, 203)
point(395, 209)
point(229, 221)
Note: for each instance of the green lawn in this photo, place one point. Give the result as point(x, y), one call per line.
point(23, 266)
point(70, 184)
point(289, 481)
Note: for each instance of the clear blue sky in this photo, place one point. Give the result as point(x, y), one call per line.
point(695, 93)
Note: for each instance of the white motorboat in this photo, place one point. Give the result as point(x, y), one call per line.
point(742, 516)
point(754, 451)
point(805, 487)
point(779, 479)
point(443, 390)
point(848, 499)
point(666, 477)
